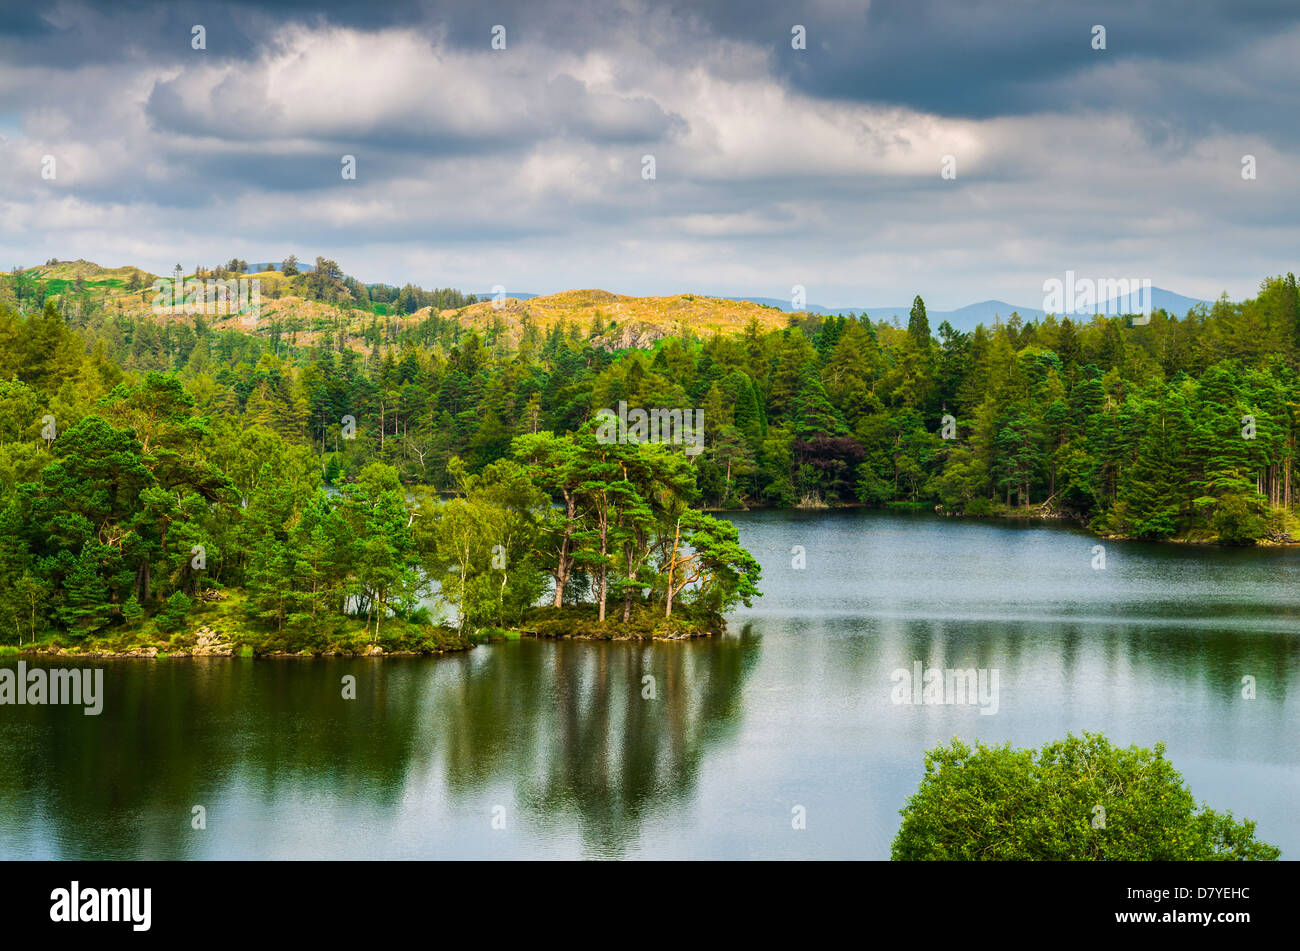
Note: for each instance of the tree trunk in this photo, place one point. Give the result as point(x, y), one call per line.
point(1290, 446)
point(463, 573)
point(627, 592)
point(672, 564)
point(562, 566)
point(604, 566)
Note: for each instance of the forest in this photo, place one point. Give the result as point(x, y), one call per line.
point(316, 481)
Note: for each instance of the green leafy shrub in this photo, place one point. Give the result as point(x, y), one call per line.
point(1075, 799)
point(1239, 520)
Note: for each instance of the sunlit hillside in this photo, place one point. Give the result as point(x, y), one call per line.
point(622, 321)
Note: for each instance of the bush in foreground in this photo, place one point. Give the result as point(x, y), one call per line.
point(1075, 799)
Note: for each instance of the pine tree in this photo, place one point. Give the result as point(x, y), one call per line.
point(918, 324)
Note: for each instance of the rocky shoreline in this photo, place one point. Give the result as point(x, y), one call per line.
point(211, 643)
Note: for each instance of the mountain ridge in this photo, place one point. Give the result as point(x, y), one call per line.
point(966, 318)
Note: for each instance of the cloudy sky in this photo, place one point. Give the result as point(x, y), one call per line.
point(773, 166)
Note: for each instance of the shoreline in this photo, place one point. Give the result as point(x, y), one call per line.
point(1012, 515)
point(572, 623)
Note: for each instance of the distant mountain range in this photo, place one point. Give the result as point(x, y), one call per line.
point(966, 318)
point(963, 318)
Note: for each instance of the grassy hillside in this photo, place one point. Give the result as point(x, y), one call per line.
point(624, 321)
point(667, 315)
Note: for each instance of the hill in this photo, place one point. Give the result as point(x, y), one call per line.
point(628, 321)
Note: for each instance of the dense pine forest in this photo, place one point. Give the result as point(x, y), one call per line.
point(310, 479)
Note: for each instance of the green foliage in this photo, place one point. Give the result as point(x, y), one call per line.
point(1075, 799)
point(1239, 520)
point(479, 548)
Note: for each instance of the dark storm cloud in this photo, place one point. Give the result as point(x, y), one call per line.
point(63, 35)
point(973, 58)
point(980, 58)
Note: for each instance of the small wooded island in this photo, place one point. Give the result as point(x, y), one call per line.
point(288, 567)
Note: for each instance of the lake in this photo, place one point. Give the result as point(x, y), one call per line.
point(556, 750)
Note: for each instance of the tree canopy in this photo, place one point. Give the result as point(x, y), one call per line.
point(1076, 799)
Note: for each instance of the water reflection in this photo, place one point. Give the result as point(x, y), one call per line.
point(586, 742)
point(792, 709)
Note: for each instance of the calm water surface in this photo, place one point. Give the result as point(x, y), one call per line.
point(792, 708)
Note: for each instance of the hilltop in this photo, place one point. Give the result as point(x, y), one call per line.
point(626, 321)
point(88, 271)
